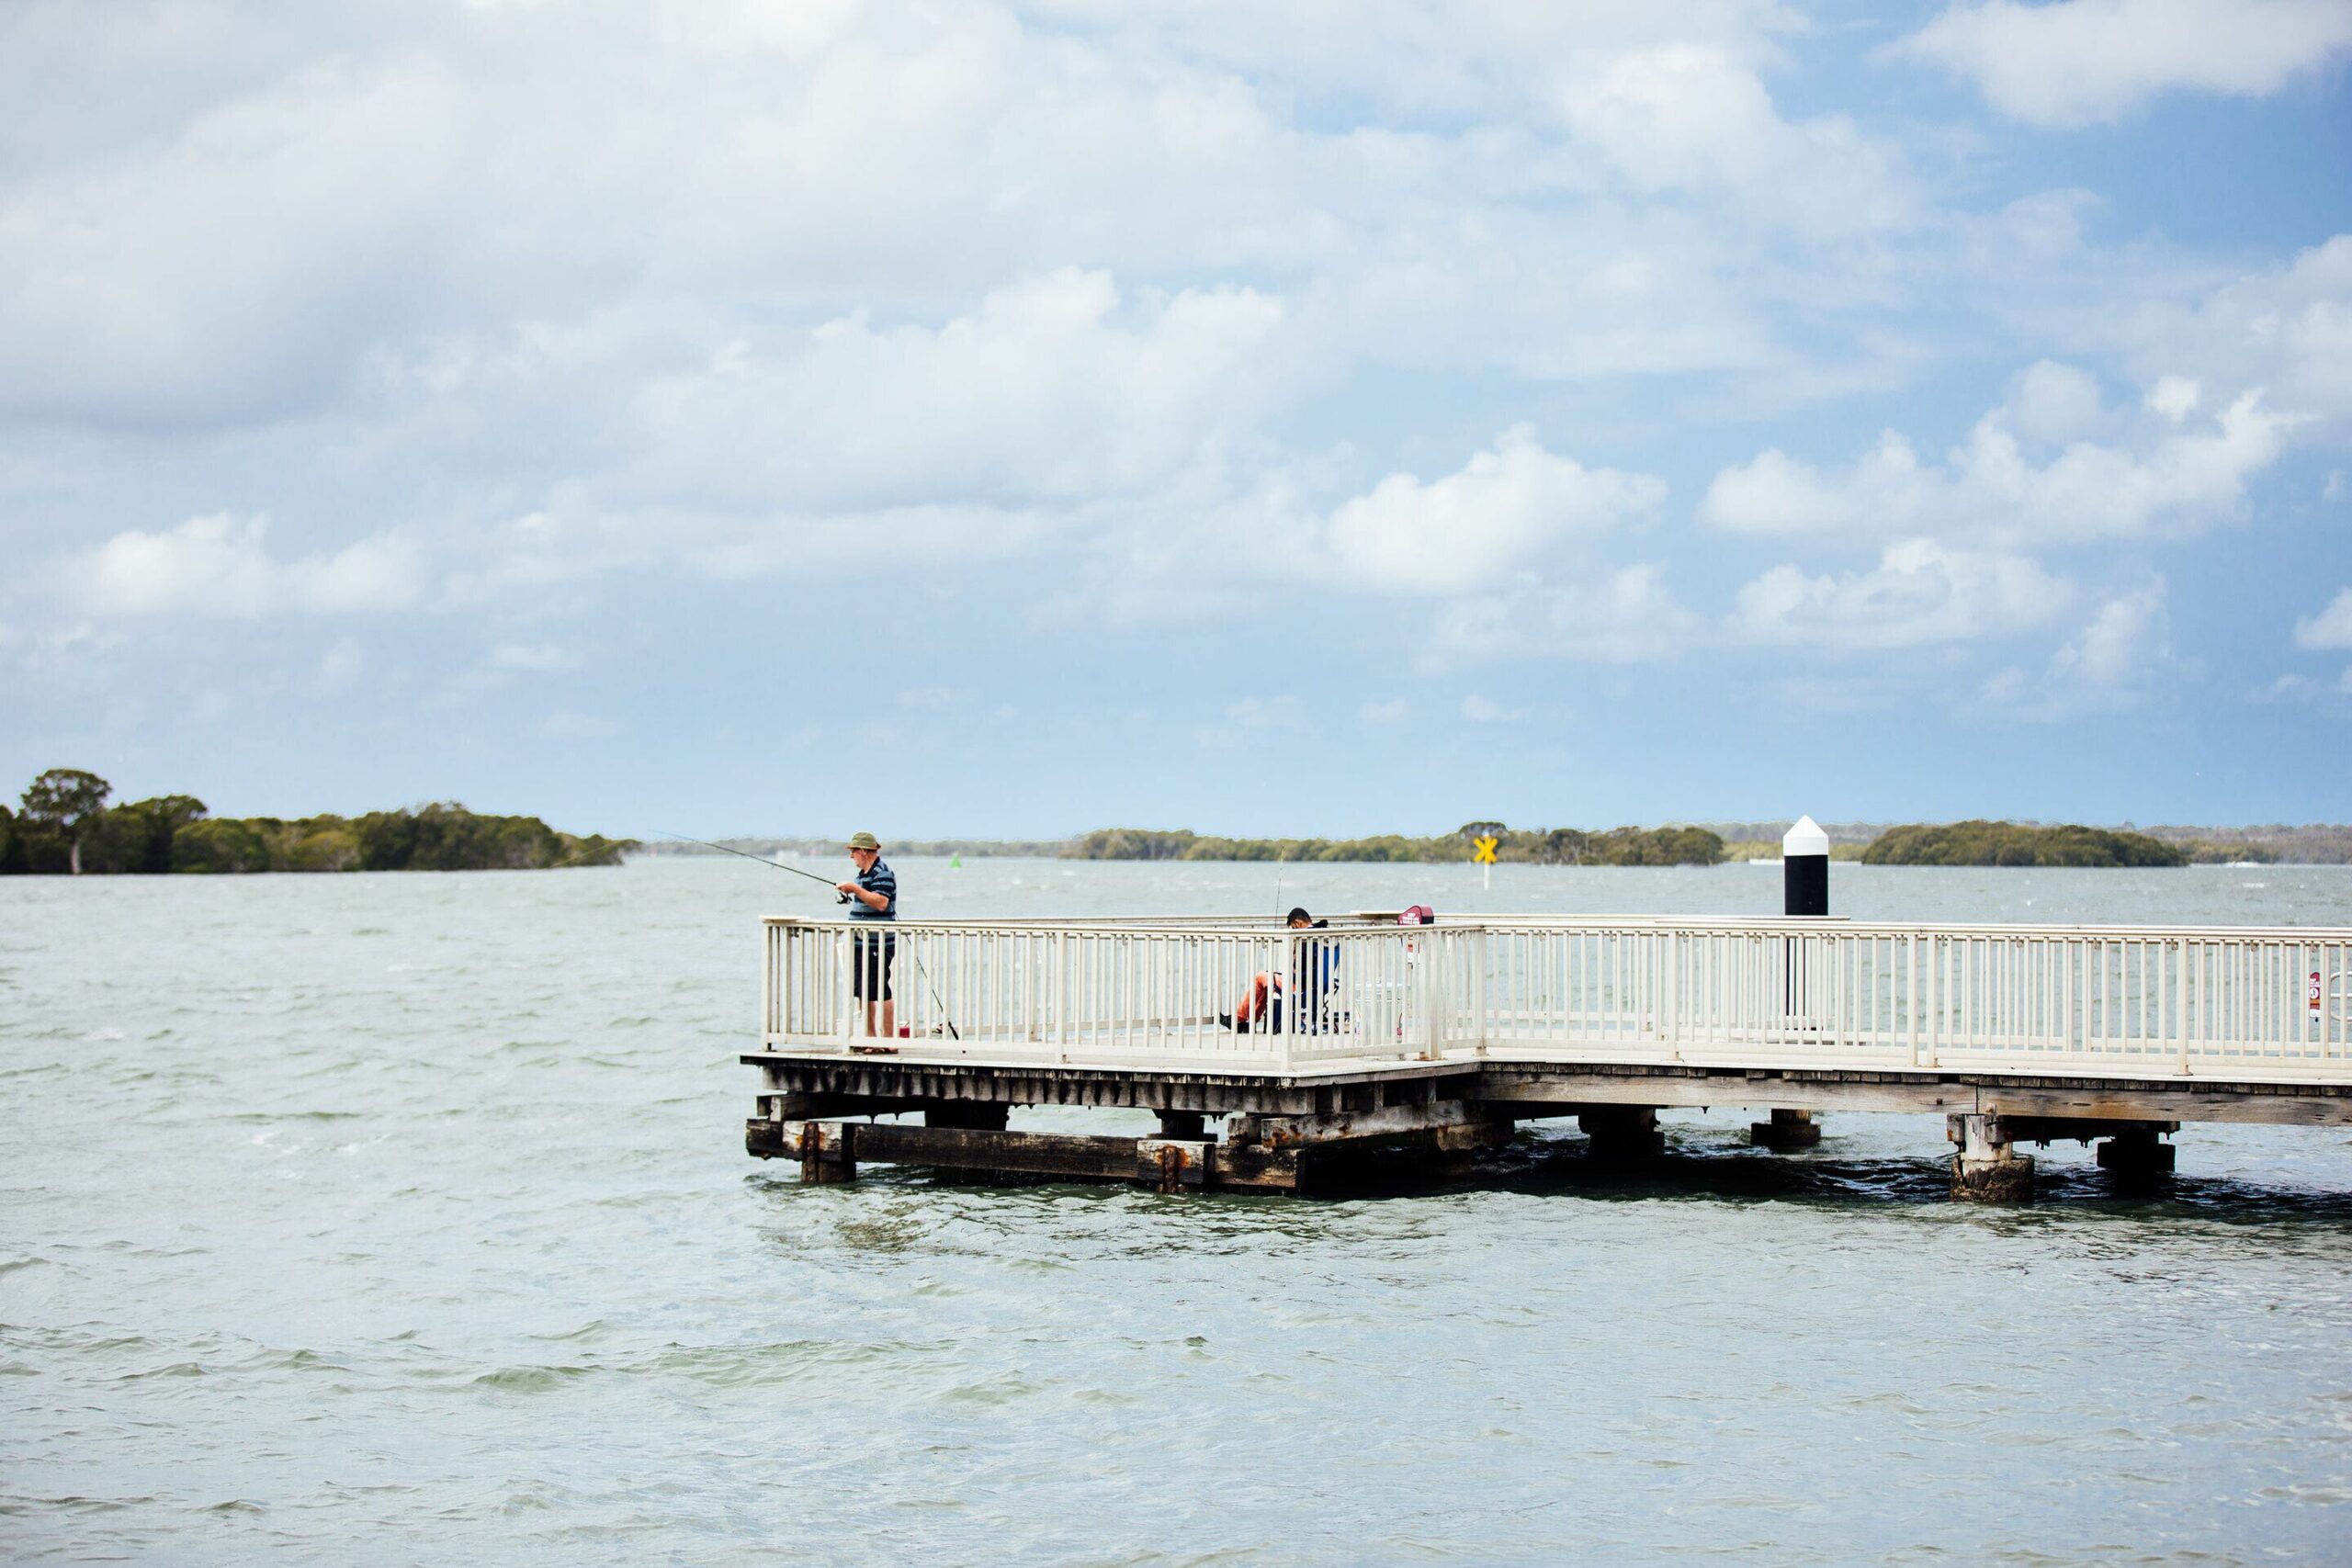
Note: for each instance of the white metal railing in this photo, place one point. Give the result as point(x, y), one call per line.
point(2257, 1003)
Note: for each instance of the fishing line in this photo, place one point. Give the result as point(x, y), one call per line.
point(953, 1032)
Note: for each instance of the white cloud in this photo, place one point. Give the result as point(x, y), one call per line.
point(900, 539)
point(1921, 593)
point(1484, 710)
point(1200, 551)
point(2173, 398)
point(2331, 628)
point(569, 726)
point(2286, 329)
point(534, 658)
point(1626, 617)
point(1049, 391)
point(2081, 62)
point(1457, 534)
point(1991, 489)
point(1691, 117)
point(219, 566)
point(2288, 689)
point(2055, 403)
point(1392, 711)
point(1257, 714)
point(340, 664)
point(2118, 660)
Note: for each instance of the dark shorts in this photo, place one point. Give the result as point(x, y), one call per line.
point(869, 965)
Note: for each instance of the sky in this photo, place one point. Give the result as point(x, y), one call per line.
point(978, 418)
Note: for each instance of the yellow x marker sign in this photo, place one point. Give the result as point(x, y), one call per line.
point(1485, 854)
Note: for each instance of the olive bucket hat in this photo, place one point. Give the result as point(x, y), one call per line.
point(864, 842)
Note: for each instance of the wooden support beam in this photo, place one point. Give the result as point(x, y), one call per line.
point(793, 1106)
point(979, 1152)
point(2077, 1129)
point(1378, 1121)
point(1531, 1092)
point(1210, 1092)
point(764, 1138)
point(2267, 1104)
point(858, 1085)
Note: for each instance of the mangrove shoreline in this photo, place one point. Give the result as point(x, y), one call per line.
point(64, 826)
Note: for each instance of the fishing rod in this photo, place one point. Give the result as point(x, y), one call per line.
point(953, 1032)
point(762, 860)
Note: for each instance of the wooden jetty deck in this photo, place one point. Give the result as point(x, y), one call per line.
point(1434, 1042)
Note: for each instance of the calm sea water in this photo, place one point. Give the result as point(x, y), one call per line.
point(405, 1219)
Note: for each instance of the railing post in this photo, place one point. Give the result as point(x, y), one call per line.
point(1061, 995)
point(845, 988)
point(1911, 996)
point(768, 947)
point(1433, 988)
point(1933, 1002)
point(1669, 988)
point(1481, 1027)
point(1290, 979)
point(2180, 1006)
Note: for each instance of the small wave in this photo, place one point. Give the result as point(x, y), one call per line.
point(72, 1504)
point(530, 1379)
point(1003, 1389)
point(250, 1117)
point(591, 1329)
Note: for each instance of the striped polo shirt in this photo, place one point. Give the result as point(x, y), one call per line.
point(877, 879)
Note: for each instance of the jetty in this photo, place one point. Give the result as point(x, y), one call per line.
point(1434, 1040)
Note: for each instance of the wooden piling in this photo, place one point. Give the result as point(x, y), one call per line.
point(1987, 1170)
point(1787, 1130)
point(2137, 1153)
point(1622, 1134)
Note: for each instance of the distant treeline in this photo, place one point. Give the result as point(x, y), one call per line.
point(66, 826)
point(2314, 843)
point(1957, 843)
point(1674, 845)
point(1537, 846)
point(818, 849)
point(2010, 843)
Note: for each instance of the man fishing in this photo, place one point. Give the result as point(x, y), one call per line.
point(1261, 1007)
point(872, 896)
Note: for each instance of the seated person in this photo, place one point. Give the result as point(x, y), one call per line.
point(1261, 1007)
